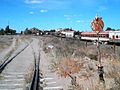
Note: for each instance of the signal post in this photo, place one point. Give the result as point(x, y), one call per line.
point(97, 26)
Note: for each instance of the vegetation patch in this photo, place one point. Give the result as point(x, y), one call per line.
point(68, 66)
point(93, 57)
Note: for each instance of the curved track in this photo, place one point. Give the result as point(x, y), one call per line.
point(35, 79)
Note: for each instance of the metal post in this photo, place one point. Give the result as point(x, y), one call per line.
point(86, 43)
point(99, 53)
point(114, 47)
point(100, 67)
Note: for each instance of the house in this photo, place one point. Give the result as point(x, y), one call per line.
point(67, 32)
point(33, 31)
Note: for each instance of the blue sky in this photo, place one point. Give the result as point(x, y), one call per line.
point(53, 14)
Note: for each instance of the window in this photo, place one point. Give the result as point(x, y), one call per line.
point(107, 35)
point(117, 36)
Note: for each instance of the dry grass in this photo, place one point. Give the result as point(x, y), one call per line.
point(11, 47)
point(66, 50)
point(68, 66)
point(5, 41)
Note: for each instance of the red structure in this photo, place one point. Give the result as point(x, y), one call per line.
point(97, 24)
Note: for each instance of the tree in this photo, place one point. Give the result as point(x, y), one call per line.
point(27, 31)
point(2, 32)
point(109, 29)
point(52, 30)
point(13, 32)
point(7, 30)
point(21, 32)
point(77, 33)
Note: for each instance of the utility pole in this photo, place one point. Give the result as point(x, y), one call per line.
point(98, 48)
point(114, 48)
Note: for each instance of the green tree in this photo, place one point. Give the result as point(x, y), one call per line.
point(110, 29)
point(7, 30)
point(2, 32)
point(21, 32)
point(52, 30)
point(27, 31)
point(13, 32)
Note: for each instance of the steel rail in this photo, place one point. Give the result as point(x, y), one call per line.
point(6, 62)
point(35, 78)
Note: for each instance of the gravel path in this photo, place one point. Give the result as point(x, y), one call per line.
point(51, 79)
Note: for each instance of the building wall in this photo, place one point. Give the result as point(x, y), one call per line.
point(114, 34)
point(68, 34)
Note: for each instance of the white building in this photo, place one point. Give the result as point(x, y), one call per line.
point(114, 35)
point(68, 33)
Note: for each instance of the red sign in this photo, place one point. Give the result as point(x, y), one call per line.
point(97, 24)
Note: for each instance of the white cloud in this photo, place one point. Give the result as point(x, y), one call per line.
point(71, 16)
point(67, 15)
point(102, 8)
point(43, 11)
point(88, 3)
point(68, 18)
point(31, 12)
point(33, 1)
point(78, 21)
point(48, 4)
point(82, 21)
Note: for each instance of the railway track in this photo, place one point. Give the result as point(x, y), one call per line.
point(7, 61)
point(35, 79)
point(12, 78)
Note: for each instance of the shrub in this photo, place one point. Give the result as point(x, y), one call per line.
point(92, 56)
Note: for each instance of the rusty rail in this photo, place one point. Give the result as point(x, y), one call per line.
point(35, 79)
